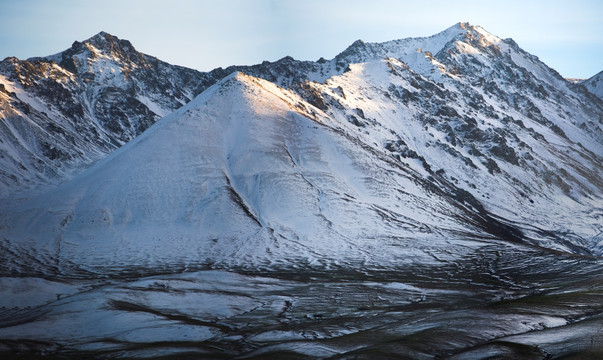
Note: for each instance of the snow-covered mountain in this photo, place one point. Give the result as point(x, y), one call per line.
point(60, 113)
point(247, 173)
point(426, 138)
point(479, 112)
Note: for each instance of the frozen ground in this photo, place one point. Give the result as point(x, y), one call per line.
point(520, 304)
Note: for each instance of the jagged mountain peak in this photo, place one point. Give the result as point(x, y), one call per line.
point(102, 46)
point(461, 36)
point(467, 27)
point(110, 43)
point(77, 105)
point(358, 44)
point(456, 30)
point(463, 51)
point(102, 35)
point(463, 31)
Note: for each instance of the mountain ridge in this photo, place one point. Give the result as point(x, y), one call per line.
point(119, 112)
point(72, 112)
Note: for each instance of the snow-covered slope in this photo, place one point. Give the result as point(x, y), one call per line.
point(61, 113)
point(480, 112)
point(595, 85)
point(521, 169)
point(247, 174)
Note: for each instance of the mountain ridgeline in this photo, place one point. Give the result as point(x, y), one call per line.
point(414, 142)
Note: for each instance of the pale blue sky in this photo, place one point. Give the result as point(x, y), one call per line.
point(566, 35)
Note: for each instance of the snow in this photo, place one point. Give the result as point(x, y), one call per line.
point(154, 107)
point(595, 85)
point(53, 135)
point(25, 292)
point(364, 87)
point(251, 174)
point(236, 176)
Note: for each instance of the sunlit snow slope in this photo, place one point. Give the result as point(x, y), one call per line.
point(478, 111)
point(246, 174)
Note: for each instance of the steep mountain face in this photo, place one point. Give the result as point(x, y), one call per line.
point(481, 113)
point(595, 85)
point(62, 112)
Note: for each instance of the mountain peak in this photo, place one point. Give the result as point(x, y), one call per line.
point(467, 26)
point(102, 45)
point(102, 36)
point(357, 43)
point(102, 42)
point(360, 51)
point(464, 31)
point(463, 25)
point(595, 85)
point(109, 43)
point(243, 86)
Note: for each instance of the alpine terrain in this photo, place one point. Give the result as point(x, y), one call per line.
point(423, 198)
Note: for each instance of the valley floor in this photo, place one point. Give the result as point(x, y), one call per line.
point(523, 304)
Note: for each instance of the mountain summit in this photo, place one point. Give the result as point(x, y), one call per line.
point(100, 45)
point(595, 85)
